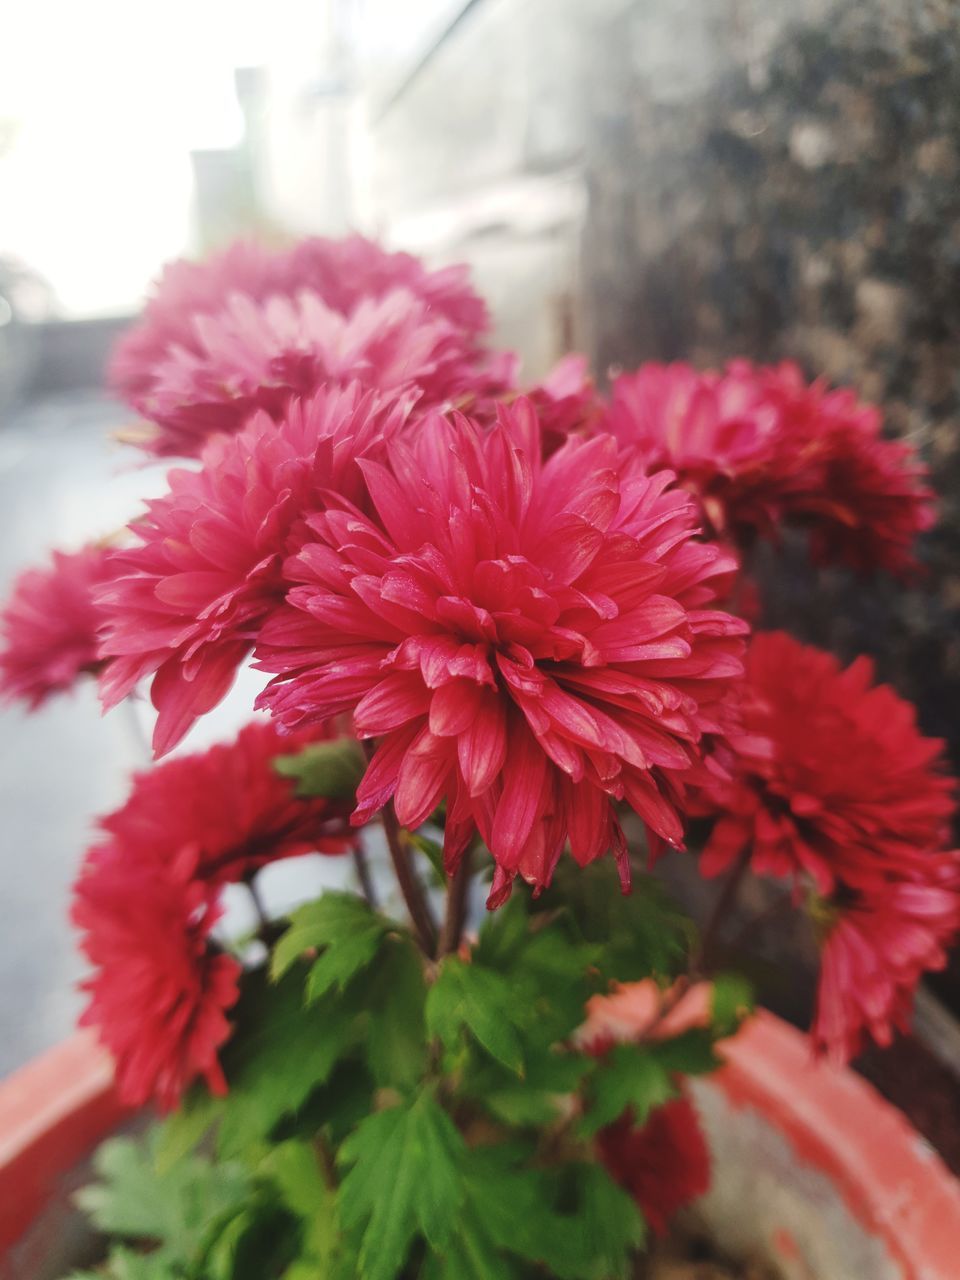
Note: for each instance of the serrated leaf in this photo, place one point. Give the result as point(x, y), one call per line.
point(397, 1034)
point(342, 927)
point(691, 1053)
point(330, 769)
point(538, 1098)
point(307, 1191)
point(731, 1000)
point(130, 1264)
point(279, 1053)
point(403, 1180)
point(180, 1132)
point(177, 1209)
point(480, 1000)
point(609, 1229)
point(631, 1076)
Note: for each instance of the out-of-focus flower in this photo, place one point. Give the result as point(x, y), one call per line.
point(160, 991)
point(50, 626)
point(829, 776)
point(530, 641)
point(664, 1164)
point(760, 446)
point(184, 605)
point(147, 899)
point(250, 327)
point(875, 948)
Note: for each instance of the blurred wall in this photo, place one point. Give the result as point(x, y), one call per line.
point(781, 179)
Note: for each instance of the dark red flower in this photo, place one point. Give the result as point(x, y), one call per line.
point(829, 775)
point(147, 899)
point(50, 626)
point(184, 605)
point(251, 327)
point(761, 447)
point(664, 1164)
point(531, 641)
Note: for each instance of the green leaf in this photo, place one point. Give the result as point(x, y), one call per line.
point(128, 1264)
point(396, 1034)
point(641, 934)
point(180, 1132)
point(608, 1229)
point(691, 1053)
point(342, 927)
point(403, 1179)
point(628, 1075)
point(178, 1209)
point(432, 850)
point(279, 1053)
point(331, 769)
point(466, 995)
point(538, 1098)
point(731, 1000)
point(295, 1169)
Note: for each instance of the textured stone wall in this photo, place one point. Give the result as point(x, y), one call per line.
point(782, 179)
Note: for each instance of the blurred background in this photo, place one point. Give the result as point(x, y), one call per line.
point(637, 179)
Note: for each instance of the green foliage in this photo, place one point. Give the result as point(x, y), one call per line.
point(731, 1001)
point(342, 929)
point(396, 1118)
point(402, 1178)
point(331, 769)
point(479, 1000)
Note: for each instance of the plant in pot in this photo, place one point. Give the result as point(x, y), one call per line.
point(506, 658)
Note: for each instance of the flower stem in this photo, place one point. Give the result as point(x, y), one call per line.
point(362, 867)
point(456, 916)
point(410, 886)
point(705, 955)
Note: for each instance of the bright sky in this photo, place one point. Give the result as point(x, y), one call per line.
point(107, 99)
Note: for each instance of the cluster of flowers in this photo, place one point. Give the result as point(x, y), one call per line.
point(523, 599)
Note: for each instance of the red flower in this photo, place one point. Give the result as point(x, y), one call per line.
point(875, 949)
point(251, 327)
point(184, 605)
point(527, 640)
point(147, 899)
point(830, 775)
point(566, 402)
point(50, 626)
point(759, 446)
point(160, 992)
point(664, 1164)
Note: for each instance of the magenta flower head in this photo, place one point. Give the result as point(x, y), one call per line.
point(50, 626)
point(531, 642)
point(251, 327)
point(184, 603)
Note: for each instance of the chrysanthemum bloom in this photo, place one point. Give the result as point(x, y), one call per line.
point(530, 641)
point(185, 603)
point(830, 776)
point(875, 947)
point(230, 806)
point(160, 990)
point(147, 899)
point(256, 355)
point(50, 626)
point(760, 446)
point(664, 1164)
point(251, 326)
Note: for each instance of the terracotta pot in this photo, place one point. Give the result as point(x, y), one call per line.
point(812, 1168)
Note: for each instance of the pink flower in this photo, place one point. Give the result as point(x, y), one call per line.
point(875, 949)
point(160, 992)
point(530, 641)
point(760, 447)
point(185, 604)
point(252, 327)
point(50, 626)
point(147, 899)
point(829, 776)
